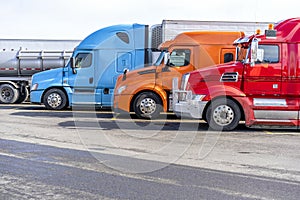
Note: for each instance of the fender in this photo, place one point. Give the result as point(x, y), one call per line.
point(67, 90)
point(155, 89)
point(223, 90)
point(236, 94)
point(163, 95)
point(11, 83)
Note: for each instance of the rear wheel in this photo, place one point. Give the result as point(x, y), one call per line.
point(8, 93)
point(147, 105)
point(223, 114)
point(55, 99)
point(23, 95)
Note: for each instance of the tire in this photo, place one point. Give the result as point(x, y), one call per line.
point(23, 96)
point(147, 105)
point(8, 94)
point(55, 99)
point(223, 115)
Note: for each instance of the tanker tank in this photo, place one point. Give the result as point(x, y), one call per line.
point(20, 59)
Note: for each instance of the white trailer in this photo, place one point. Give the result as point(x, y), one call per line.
point(168, 29)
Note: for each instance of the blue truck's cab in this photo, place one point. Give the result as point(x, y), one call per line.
point(90, 76)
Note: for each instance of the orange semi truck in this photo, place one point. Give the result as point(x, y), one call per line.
point(146, 91)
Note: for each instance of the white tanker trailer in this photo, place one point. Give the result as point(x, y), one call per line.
point(20, 59)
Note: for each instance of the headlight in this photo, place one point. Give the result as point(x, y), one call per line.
point(34, 86)
point(121, 89)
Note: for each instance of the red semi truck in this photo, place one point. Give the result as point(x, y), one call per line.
point(262, 87)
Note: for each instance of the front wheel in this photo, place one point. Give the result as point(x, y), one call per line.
point(223, 114)
point(55, 99)
point(147, 105)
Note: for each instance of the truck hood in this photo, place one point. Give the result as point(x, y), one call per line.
point(215, 71)
point(48, 78)
point(222, 74)
point(139, 78)
point(137, 74)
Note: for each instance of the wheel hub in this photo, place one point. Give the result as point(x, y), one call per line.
point(6, 94)
point(223, 115)
point(148, 106)
point(54, 100)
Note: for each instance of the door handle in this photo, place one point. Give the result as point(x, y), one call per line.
point(91, 80)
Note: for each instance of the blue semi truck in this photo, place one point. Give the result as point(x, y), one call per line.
point(89, 77)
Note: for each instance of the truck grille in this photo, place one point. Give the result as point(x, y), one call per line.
point(229, 77)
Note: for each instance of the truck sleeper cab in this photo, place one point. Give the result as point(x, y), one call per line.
point(261, 88)
point(147, 92)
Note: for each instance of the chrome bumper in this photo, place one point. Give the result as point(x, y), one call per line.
point(191, 109)
point(186, 107)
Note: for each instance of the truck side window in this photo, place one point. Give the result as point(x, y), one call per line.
point(269, 53)
point(228, 57)
point(83, 60)
point(123, 36)
point(180, 57)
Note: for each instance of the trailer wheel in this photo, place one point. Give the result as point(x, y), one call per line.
point(223, 114)
point(8, 94)
point(55, 99)
point(147, 105)
point(23, 95)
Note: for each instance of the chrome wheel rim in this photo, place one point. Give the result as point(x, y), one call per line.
point(148, 106)
point(54, 100)
point(223, 115)
point(7, 94)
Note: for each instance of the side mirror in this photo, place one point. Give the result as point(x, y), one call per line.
point(254, 49)
point(166, 58)
point(74, 71)
point(124, 73)
point(72, 65)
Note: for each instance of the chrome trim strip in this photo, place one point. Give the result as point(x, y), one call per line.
point(269, 102)
point(275, 114)
point(273, 120)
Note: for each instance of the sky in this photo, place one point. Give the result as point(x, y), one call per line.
point(75, 19)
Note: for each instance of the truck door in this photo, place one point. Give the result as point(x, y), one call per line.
point(82, 79)
point(113, 63)
point(265, 77)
